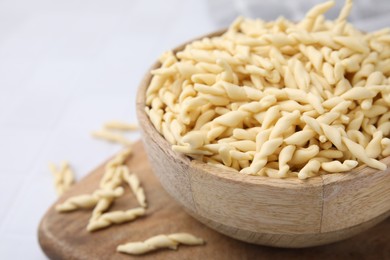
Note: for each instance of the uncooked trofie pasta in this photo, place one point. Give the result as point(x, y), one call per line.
point(116, 172)
point(135, 186)
point(111, 137)
point(63, 177)
point(279, 99)
point(170, 241)
point(119, 125)
point(86, 201)
point(115, 217)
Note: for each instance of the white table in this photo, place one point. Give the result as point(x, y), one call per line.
point(66, 67)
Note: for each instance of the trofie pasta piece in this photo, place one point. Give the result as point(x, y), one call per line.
point(279, 98)
point(195, 139)
point(373, 148)
point(312, 15)
point(303, 155)
point(63, 177)
point(333, 134)
point(78, 202)
point(112, 178)
point(231, 119)
point(118, 125)
point(112, 137)
point(160, 241)
point(87, 201)
point(300, 138)
point(115, 217)
point(105, 201)
point(285, 156)
point(337, 166)
point(269, 147)
point(135, 186)
point(311, 168)
point(284, 123)
point(359, 152)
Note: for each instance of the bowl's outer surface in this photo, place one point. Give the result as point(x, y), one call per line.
point(261, 210)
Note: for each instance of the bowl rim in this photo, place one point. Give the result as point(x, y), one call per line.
point(148, 129)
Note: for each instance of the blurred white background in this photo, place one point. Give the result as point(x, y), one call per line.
point(66, 67)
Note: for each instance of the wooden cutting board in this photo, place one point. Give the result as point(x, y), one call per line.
point(64, 236)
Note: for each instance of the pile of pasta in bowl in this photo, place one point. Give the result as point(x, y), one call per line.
point(279, 99)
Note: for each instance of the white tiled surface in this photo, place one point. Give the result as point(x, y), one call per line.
point(65, 68)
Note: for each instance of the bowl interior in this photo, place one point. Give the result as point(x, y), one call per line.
point(233, 175)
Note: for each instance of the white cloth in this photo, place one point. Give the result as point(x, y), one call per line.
point(366, 14)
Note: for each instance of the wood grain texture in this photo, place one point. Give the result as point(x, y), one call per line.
point(63, 236)
point(293, 212)
point(361, 196)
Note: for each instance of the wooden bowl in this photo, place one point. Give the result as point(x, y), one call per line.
point(261, 210)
